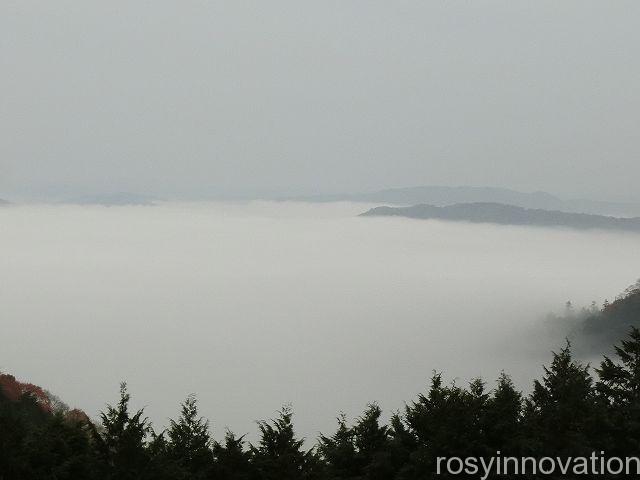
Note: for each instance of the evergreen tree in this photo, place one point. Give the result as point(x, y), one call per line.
point(445, 424)
point(562, 414)
point(60, 449)
point(279, 454)
point(501, 420)
point(36, 443)
point(232, 460)
point(402, 445)
point(122, 441)
point(339, 452)
point(162, 466)
point(189, 444)
point(17, 420)
point(372, 443)
point(619, 386)
point(476, 414)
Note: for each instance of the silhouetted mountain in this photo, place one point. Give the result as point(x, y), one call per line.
point(438, 195)
point(508, 215)
point(4, 203)
point(441, 196)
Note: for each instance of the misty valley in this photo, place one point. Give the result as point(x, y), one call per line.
point(319, 240)
point(294, 300)
point(257, 305)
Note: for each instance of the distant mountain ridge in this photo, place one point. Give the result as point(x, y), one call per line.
point(502, 214)
point(112, 199)
point(442, 195)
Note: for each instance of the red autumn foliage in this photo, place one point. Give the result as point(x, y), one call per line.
point(77, 416)
point(13, 390)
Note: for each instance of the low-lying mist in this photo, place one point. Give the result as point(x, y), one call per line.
point(255, 305)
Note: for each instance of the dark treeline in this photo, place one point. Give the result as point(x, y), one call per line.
point(570, 412)
point(594, 329)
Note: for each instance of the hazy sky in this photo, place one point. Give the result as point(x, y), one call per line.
point(235, 97)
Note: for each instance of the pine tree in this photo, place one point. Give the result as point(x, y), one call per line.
point(279, 454)
point(162, 466)
point(232, 460)
point(60, 449)
point(501, 421)
point(339, 452)
point(562, 414)
point(122, 441)
point(402, 445)
point(189, 444)
point(619, 386)
point(476, 413)
point(372, 443)
point(445, 424)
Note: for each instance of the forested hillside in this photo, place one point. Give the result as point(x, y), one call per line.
point(594, 329)
point(572, 410)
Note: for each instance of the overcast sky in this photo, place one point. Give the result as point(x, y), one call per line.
point(195, 97)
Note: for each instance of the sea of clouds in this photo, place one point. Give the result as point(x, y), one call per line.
point(253, 305)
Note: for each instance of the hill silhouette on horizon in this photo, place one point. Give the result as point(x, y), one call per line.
point(503, 214)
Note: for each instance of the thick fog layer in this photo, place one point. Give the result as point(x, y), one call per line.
point(254, 305)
